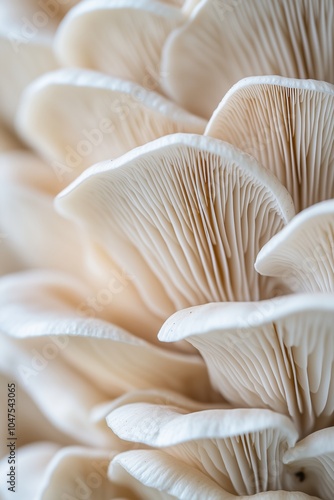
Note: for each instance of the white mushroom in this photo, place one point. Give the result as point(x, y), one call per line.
point(78, 117)
point(276, 354)
point(122, 38)
point(288, 126)
point(157, 475)
point(302, 254)
point(186, 216)
point(241, 450)
point(227, 40)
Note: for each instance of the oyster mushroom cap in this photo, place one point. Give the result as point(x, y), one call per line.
point(242, 448)
point(302, 254)
point(183, 206)
point(288, 126)
point(225, 41)
point(76, 118)
point(157, 475)
point(123, 38)
point(274, 354)
point(162, 476)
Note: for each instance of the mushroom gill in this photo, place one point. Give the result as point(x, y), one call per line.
point(276, 354)
point(302, 254)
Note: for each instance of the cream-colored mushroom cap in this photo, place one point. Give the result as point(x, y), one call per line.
point(163, 476)
point(186, 216)
point(123, 38)
point(225, 41)
point(288, 126)
point(243, 448)
point(276, 354)
point(302, 254)
point(78, 117)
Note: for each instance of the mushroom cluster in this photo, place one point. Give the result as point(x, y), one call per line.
point(167, 249)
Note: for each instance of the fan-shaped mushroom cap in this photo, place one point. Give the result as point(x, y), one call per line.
point(302, 254)
point(157, 475)
point(227, 40)
point(185, 215)
point(311, 464)
point(276, 354)
point(288, 126)
point(78, 117)
point(242, 448)
point(123, 38)
point(22, 61)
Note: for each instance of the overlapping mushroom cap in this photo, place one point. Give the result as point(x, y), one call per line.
point(100, 118)
point(227, 40)
point(249, 443)
point(303, 253)
point(123, 38)
point(223, 453)
point(275, 354)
